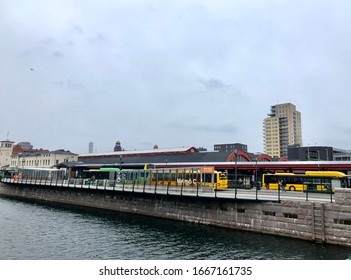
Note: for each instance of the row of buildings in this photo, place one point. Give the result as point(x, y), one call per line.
point(282, 137)
point(22, 155)
point(13, 156)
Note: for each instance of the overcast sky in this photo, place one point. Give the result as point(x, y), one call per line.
point(173, 73)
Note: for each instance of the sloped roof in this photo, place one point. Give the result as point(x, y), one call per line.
point(62, 152)
point(142, 152)
point(160, 158)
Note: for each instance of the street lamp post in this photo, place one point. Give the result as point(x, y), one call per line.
point(256, 173)
point(236, 170)
point(256, 183)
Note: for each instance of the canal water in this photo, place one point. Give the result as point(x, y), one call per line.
point(36, 231)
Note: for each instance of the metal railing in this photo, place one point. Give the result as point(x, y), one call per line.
point(164, 187)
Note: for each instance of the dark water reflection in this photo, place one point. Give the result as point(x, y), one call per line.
point(39, 231)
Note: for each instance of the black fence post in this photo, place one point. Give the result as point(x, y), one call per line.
point(144, 183)
point(307, 193)
point(156, 181)
point(236, 188)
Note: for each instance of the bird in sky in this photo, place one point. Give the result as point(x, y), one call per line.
point(31, 69)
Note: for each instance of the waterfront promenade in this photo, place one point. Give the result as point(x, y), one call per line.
point(253, 194)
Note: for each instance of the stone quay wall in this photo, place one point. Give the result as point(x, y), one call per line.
point(328, 223)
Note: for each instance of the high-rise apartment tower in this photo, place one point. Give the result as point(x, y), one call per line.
point(91, 147)
point(281, 129)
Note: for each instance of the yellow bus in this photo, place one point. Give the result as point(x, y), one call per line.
point(321, 181)
point(188, 177)
point(181, 177)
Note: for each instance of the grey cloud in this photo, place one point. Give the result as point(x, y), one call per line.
point(58, 54)
point(218, 127)
point(99, 38)
point(70, 43)
point(68, 84)
point(77, 29)
point(214, 69)
point(48, 41)
point(213, 84)
point(73, 85)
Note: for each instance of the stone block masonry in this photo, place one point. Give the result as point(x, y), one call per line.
point(328, 223)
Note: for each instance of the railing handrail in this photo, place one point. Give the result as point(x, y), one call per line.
point(165, 189)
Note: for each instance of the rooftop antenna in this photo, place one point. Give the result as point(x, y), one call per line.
point(7, 137)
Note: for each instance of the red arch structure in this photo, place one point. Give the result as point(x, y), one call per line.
point(238, 154)
point(245, 157)
point(264, 157)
